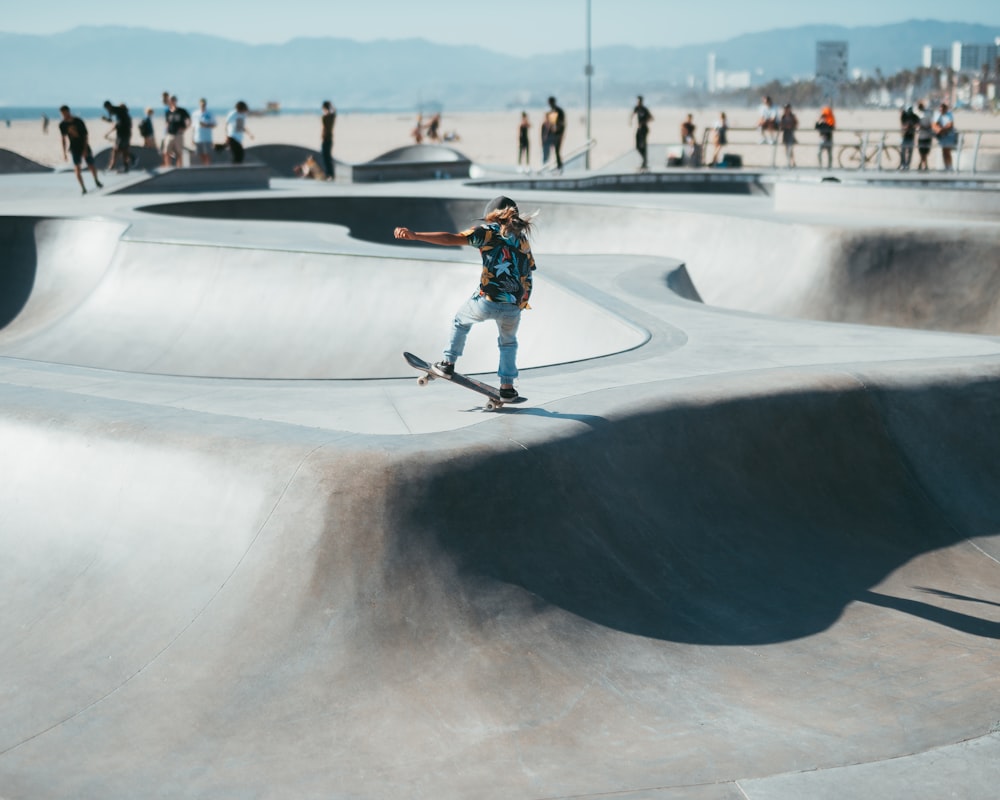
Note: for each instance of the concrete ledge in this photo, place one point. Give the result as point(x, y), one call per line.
point(829, 196)
point(242, 177)
point(700, 181)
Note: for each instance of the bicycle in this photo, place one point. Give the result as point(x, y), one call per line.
point(879, 155)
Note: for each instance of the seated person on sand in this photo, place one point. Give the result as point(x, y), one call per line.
point(309, 169)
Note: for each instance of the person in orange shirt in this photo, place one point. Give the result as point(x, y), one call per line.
point(826, 124)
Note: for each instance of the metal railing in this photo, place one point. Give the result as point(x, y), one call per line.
point(878, 149)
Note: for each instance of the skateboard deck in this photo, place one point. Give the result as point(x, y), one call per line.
point(494, 400)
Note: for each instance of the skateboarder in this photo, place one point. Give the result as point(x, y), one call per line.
point(74, 135)
point(504, 289)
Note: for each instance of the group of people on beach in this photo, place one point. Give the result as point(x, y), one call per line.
point(779, 126)
point(177, 121)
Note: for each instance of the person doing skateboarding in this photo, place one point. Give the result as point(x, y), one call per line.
point(504, 288)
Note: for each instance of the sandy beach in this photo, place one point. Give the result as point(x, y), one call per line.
point(485, 137)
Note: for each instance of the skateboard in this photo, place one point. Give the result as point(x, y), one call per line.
point(494, 401)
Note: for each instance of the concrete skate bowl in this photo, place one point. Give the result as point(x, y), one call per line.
point(911, 275)
point(81, 292)
point(908, 275)
point(270, 613)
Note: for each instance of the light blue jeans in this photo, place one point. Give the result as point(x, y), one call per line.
point(507, 317)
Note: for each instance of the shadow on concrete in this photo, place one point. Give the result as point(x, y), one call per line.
point(955, 620)
point(370, 219)
point(18, 265)
point(750, 521)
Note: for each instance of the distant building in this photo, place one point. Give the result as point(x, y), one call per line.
point(973, 57)
point(935, 57)
point(732, 80)
point(831, 63)
point(719, 80)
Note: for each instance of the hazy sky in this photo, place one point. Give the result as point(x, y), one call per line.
point(521, 26)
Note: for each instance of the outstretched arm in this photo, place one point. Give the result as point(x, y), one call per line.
point(438, 237)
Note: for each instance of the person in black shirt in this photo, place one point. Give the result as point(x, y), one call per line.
point(557, 128)
point(121, 152)
point(908, 124)
point(642, 117)
point(74, 135)
point(178, 120)
point(326, 137)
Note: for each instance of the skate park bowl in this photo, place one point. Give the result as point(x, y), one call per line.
point(741, 543)
point(93, 295)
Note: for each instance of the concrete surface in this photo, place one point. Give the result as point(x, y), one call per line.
point(724, 552)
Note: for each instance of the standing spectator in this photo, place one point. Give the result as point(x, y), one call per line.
point(74, 134)
point(523, 150)
point(687, 130)
point(146, 130)
point(788, 124)
point(643, 117)
point(557, 128)
point(178, 120)
point(546, 131)
point(202, 124)
point(433, 128)
point(826, 125)
point(45, 123)
point(418, 130)
point(767, 123)
point(944, 127)
point(327, 120)
point(908, 124)
point(720, 136)
point(166, 110)
point(692, 156)
point(925, 135)
point(236, 127)
point(121, 120)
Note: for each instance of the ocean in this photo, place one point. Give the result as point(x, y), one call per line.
point(14, 113)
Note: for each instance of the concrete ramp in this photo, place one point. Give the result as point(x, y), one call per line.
point(12, 163)
point(750, 558)
point(212, 178)
point(312, 617)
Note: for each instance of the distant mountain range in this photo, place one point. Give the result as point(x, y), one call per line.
point(87, 65)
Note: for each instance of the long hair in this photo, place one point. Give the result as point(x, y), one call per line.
point(511, 222)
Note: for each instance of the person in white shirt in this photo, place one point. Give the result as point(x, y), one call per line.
point(202, 123)
point(944, 127)
point(236, 127)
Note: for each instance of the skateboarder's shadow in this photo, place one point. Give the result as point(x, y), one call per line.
point(592, 420)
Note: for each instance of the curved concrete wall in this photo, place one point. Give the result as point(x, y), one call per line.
point(903, 274)
point(235, 312)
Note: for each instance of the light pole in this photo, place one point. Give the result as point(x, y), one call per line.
point(589, 72)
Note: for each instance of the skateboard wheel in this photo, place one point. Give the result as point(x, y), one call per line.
point(491, 406)
point(422, 381)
